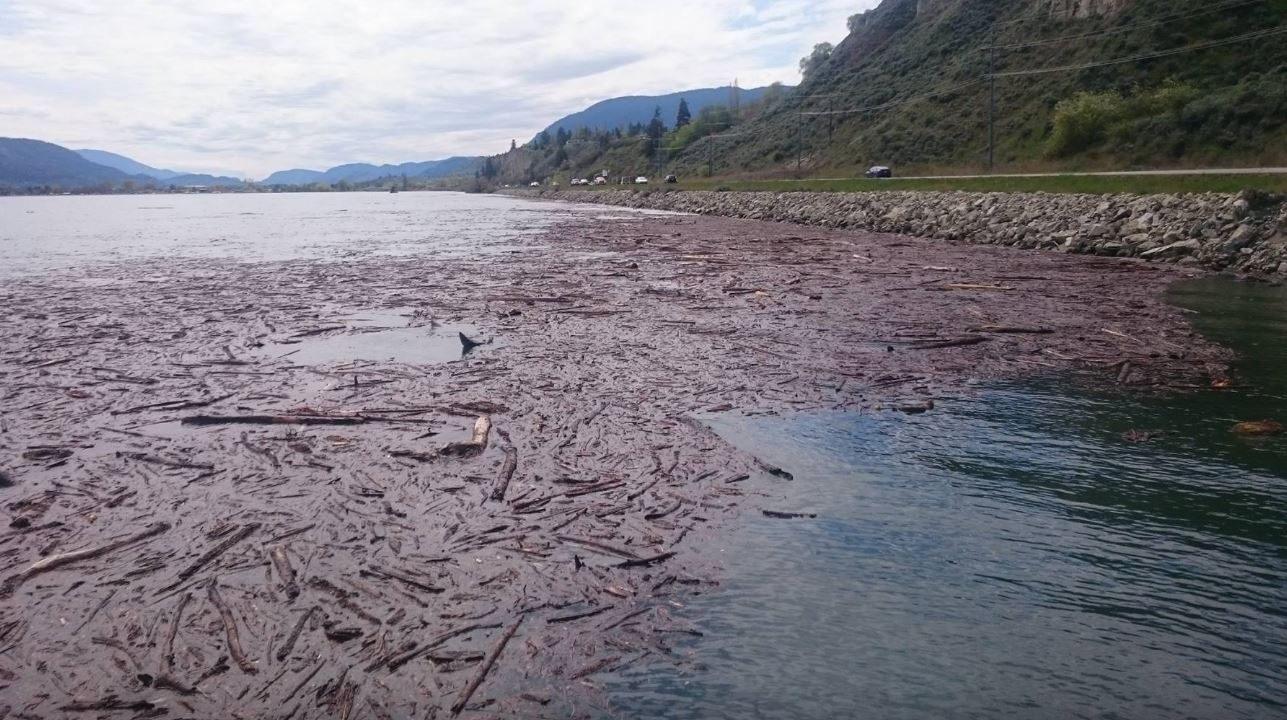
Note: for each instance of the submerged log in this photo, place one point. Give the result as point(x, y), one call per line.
point(56, 561)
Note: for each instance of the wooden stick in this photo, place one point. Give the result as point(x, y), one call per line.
point(174, 630)
point(272, 420)
point(291, 639)
point(213, 553)
point(230, 629)
point(485, 668)
point(287, 573)
point(959, 342)
point(56, 561)
point(506, 473)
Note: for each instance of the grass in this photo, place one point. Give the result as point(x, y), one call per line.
point(1091, 184)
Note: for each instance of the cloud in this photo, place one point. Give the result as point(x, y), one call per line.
point(245, 87)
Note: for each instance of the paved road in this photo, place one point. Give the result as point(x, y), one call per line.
point(1195, 171)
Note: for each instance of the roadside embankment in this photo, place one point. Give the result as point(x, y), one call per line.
point(1245, 232)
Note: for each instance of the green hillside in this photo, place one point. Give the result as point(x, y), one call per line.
point(1078, 85)
point(1226, 104)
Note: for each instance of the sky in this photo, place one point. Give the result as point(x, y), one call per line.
point(247, 87)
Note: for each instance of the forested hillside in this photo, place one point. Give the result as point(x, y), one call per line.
point(1069, 84)
point(1077, 83)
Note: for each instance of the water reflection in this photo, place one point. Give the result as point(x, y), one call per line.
point(1010, 555)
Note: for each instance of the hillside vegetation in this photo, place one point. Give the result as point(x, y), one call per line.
point(909, 87)
point(1226, 104)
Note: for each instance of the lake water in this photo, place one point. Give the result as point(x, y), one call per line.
point(38, 234)
point(1006, 555)
point(1011, 555)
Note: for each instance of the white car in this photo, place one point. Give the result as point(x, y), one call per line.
point(601, 180)
point(534, 184)
point(641, 180)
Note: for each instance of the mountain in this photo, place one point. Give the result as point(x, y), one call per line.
point(126, 165)
point(202, 179)
point(620, 112)
point(364, 172)
point(1092, 84)
point(26, 163)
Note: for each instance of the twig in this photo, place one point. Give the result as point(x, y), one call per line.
point(486, 667)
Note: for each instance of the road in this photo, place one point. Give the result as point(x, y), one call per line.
point(1195, 171)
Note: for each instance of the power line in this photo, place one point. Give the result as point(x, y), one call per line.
point(1269, 32)
point(1123, 28)
point(895, 103)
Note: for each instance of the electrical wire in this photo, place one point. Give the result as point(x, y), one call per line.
point(1123, 28)
point(1268, 32)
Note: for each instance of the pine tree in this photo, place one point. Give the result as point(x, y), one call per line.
point(684, 116)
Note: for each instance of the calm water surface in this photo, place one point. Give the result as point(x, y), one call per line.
point(1010, 555)
point(38, 234)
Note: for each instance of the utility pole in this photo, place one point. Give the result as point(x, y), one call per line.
point(799, 139)
point(710, 155)
point(992, 98)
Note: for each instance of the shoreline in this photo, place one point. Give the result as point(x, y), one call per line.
point(346, 554)
point(1244, 232)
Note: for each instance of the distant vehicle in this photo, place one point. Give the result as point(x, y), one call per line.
point(601, 180)
point(534, 184)
point(641, 180)
point(879, 171)
point(580, 181)
point(672, 179)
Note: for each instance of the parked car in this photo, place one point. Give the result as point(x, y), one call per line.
point(879, 171)
point(534, 184)
point(672, 179)
point(641, 180)
point(601, 180)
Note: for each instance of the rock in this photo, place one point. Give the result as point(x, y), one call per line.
point(1175, 249)
point(1243, 236)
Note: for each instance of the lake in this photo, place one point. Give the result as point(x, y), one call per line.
point(1016, 552)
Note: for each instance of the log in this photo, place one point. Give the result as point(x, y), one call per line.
point(787, 515)
point(211, 554)
point(287, 573)
point(230, 629)
point(958, 342)
point(203, 420)
point(506, 474)
point(291, 639)
point(56, 561)
point(486, 667)
point(646, 562)
point(168, 653)
point(477, 442)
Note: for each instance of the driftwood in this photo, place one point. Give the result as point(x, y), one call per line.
point(486, 667)
point(168, 653)
point(958, 342)
point(212, 553)
point(477, 442)
point(506, 474)
point(291, 639)
point(272, 420)
point(287, 573)
point(56, 561)
point(788, 515)
point(230, 629)
point(397, 661)
point(1012, 329)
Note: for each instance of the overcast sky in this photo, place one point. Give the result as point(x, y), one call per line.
point(246, 87)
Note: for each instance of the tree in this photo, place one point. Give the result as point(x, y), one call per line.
point(656, 128)
point(816, 59)
point(513, 145)
point(684, 116)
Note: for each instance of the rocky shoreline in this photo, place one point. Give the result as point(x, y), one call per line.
point(1245, 233)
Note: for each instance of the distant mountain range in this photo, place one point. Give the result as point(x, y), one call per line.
point(26, 163)
point(363, 172)
point(126, 165)
point(624, 111)
point(34, 163)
